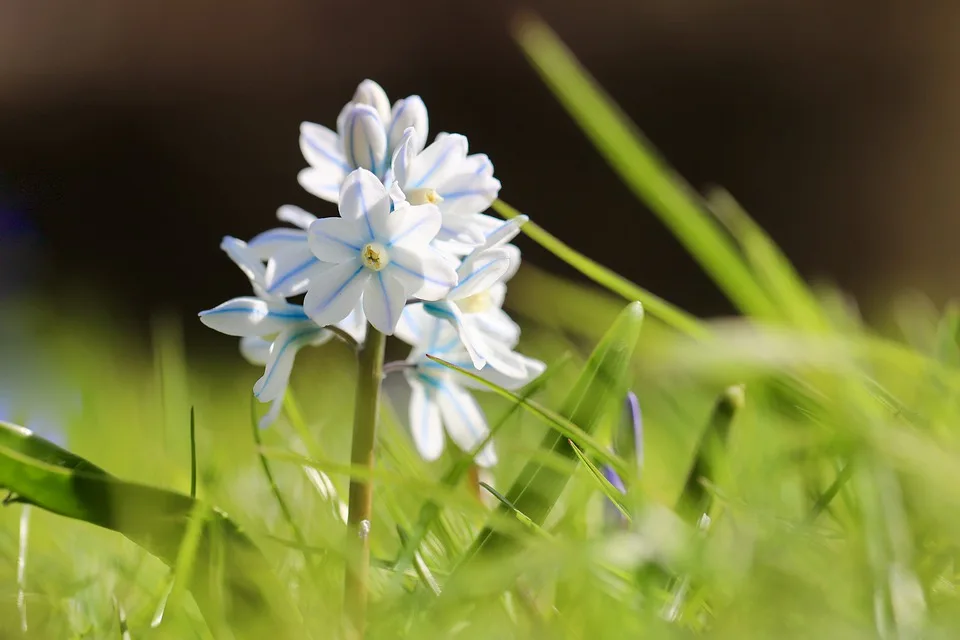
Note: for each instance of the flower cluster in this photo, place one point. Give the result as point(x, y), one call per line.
point(411, 253)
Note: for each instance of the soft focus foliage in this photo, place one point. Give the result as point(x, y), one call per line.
point(820, 499)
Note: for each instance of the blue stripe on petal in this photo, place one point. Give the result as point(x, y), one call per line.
point(282, 315)
point(463, 194)
point(423, 277)
point(300, 268)
point(403, 235)
point(326, 154)
point(442, 388)
point(337, 240)
point(277, 235)
point(289, 342)
point(386, 298)
point(474, 273)
point(366, 210)
point(345, 284)
point(433, 169)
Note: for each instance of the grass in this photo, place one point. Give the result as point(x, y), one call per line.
point(830, 478)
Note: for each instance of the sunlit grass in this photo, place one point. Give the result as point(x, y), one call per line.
point(822, 502)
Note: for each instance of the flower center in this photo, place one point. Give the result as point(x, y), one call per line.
point(477, 303)
point(374, 256)
point(423, 196)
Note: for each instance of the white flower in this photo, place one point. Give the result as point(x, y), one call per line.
point(377, 256)
point(272, 330)
point(291, 264)
point(474, 306)
point(438, 395)
point(461, 186)
point(368, 133)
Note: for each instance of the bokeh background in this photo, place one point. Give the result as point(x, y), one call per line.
point(133, 136)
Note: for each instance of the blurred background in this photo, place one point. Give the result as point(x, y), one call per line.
point(133, 136)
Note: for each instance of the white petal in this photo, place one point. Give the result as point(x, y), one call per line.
point(322, 184)
point(499, 356)
point(364, 198)
point(323, 151)
point(408, 113)
point(426, 274)
point(404, 156)
point(466, 338)
point(468, 193)
point(274, 241)
point(355, 323)
point(504, 233)
point(364, 141)
point(283, 351)
point(370, 93)
point(437, 162)
point(337, 239)
point(478, 164)
point(272, 414)
point(251, 317)
point(383, 301)
point(497, 324)
point(244, 257)
point(412, 226)
point(533, 368)
point(425, 425)
point(481, 273)
point(462, 228)
point(514, 253)
point(297, 216)
point(413, 323)
point(255, 349)
point(461, 416)
point(334, 291)
point(289, 272)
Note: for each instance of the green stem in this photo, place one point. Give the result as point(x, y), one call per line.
point(367, 409)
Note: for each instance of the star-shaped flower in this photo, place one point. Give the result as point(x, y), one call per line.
point(377, 256)
point(368, 132)
point(461, 185)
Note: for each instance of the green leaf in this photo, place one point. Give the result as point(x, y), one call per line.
point(653, 304)
point(256, 603)
point(603, 383)
point(794, 300)
point(563, 426)
point(610, 491)
point(640, 167)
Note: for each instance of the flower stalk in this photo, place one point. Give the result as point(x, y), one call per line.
point(366, 414)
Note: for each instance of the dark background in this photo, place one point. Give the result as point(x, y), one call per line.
point(134, 135)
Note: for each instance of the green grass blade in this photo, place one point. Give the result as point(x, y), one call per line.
point(561, 425)
point(608, 490)
point(654, 305)
point(42, 474)
point(603, 382)
point(795, 301)
point(695, 500)
point(647, 175)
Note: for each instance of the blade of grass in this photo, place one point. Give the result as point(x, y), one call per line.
point(794, 300)
point(563, 426)
point(640, 167)
point(43, 474)
point(653, 304)
point(608, 490)
point(602, 384)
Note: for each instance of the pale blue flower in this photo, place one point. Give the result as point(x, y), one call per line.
point(376, 256)
point(439, 397)
point(368, 133)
